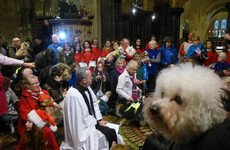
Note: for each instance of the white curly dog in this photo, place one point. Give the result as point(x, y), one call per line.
point(186, 102)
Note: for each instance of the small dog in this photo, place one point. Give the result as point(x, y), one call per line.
point(186, 102)
point(47, 103)
point(130, 112)
point(23, 49)
point(145, 58)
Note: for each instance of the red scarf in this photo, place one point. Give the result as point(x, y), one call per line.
point(35, 95)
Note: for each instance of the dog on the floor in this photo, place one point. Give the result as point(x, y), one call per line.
point(186, 103)
point(130, 114)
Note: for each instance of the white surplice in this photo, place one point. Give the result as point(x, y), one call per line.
point(79, 125)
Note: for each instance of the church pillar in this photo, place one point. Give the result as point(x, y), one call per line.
point(175, 26)
point(227, 5)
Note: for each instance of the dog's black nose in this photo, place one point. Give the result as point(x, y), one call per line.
point(155, 110)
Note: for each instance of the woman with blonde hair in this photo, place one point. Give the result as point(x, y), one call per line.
point(106, 49)
point(29, 100)
point(115, 73)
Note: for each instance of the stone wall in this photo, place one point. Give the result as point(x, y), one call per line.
point(201, 15)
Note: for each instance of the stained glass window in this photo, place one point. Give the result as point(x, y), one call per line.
point(185, 27)
point(216, 27)
point(223, 27)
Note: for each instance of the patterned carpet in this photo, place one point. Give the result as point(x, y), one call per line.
point(133, 136)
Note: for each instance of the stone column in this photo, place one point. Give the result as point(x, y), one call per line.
point(227, 6)
point(175, 24)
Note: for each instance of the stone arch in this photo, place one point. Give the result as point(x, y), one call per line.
point(216, 11)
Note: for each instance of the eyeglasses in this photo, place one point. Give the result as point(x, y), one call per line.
point(36, 83)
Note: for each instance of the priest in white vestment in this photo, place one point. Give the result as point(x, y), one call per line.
point(81, 117)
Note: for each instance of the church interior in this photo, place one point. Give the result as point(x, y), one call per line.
point(113, 20)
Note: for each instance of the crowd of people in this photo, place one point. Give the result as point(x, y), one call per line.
point(80, 82)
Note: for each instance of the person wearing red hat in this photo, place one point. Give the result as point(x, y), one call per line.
point(37, 135)
point(29, 100)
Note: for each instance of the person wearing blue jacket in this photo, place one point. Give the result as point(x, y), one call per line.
point(197, 51)
point(168, 53)
point(152, 68)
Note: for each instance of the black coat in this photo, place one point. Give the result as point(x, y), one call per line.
point(97, 83)
point(216, 138)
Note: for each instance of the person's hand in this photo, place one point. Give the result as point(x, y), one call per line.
point(64, 93)
point(138, 81)
point(25, 53)
point(29, 65)
point(98, 77)
point(140, 90)
point(104, 78)
point(103, 123)
point(130, 99)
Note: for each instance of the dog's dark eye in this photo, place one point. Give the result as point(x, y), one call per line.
point(162, 94)
point(178, 100)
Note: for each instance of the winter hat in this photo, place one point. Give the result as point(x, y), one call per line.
point(43, 97)
point(40, 118)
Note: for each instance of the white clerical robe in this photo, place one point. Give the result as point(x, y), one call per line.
point(79, 125)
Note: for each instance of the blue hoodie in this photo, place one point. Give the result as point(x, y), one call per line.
point(168, 55)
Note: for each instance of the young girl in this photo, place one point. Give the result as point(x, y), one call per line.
point(95, 49)
point(87, 52)
point(115, 45)
point(212, 54)
point(78, 56)
point(37, 135)
point(66, 56)
point(106, 49)
point(138, 46)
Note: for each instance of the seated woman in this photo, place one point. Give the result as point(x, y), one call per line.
point(37, 135)
point(29, 100)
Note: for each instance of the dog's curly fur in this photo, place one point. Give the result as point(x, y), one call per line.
point(186, 102)
point(23, 49)
point(46, 106)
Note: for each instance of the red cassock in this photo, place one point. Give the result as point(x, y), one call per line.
point(79, 58)
point(212, 58)
point(26, 104)
point(140, 50)
point(88, 55)
point(96, 53)
point(228, 56)
point(105, 52)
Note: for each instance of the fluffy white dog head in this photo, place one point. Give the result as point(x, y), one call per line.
point(185, 103)
point(130, 51)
